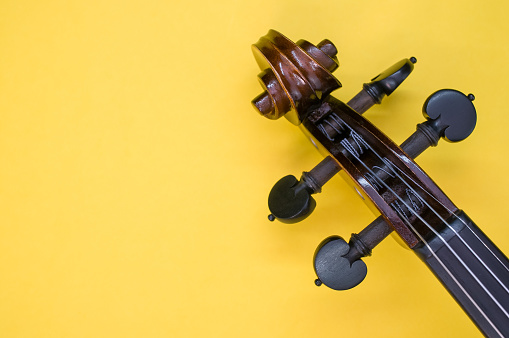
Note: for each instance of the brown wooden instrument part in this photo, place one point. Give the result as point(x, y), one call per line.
point(294, 78)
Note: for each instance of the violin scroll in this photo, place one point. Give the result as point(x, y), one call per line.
point(295, 76)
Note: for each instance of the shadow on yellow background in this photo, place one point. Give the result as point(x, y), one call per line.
point(135, 172)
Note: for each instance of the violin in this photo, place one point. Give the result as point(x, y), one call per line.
point(298, 82)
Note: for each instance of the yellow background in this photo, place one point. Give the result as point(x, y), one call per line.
point(135, 172)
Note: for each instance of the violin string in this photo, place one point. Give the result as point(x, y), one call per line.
point(438, 235)
point(450, 227)
point(421, 219)
point(457, 217)
point(390, 166)
point(438, 259)
point(452, 277)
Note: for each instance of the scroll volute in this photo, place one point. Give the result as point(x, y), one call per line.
point(295, 76)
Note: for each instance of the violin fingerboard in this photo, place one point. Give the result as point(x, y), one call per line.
point(474, 271)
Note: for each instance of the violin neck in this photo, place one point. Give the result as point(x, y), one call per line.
point(474, 271)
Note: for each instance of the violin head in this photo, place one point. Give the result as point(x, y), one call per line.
point(297, 80)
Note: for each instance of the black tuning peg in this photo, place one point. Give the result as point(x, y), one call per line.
point(338, 264)
point(382, 85)
point(449, 114)
point(290, 200)
point(333, 267)
point(387, 81)
point(453, 112)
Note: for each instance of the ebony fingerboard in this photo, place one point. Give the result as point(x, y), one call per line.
point(474, 271)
